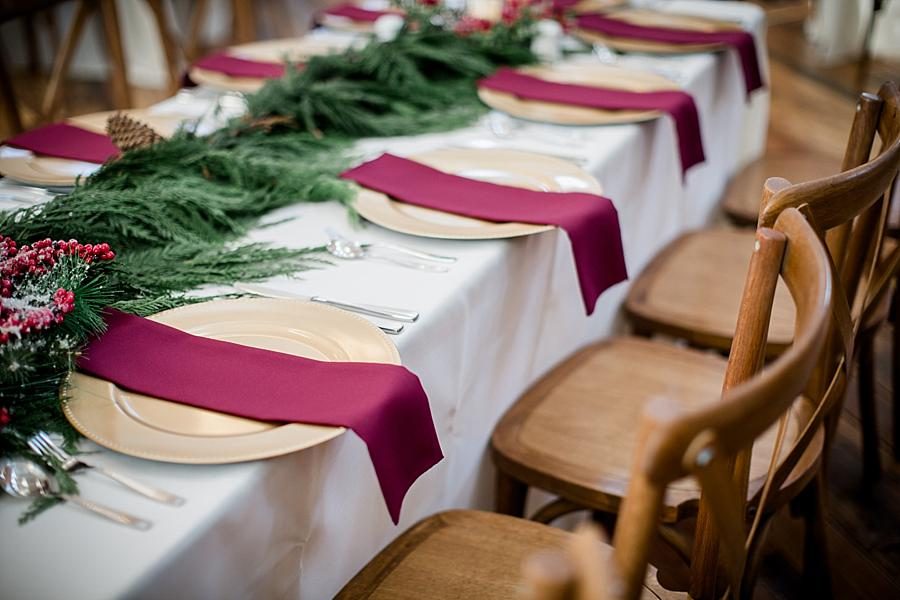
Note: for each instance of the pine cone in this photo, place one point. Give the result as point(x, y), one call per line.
point(127, 133)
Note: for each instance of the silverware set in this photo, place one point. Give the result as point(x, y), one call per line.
point(387, 313)
point(24, 478)
point(341, 247)
point(389, 319)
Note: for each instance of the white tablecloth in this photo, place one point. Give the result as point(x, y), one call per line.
point(301, 525)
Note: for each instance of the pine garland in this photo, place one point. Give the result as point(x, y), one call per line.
point(421, 81)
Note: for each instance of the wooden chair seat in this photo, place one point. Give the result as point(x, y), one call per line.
point(692, 290)
point(574, 433)
point(465, 554)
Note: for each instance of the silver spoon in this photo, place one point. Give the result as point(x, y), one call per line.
point(353, 251)
point(428, 256)
point(25, 479)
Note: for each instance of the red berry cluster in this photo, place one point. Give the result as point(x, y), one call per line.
point(512, 10)
point(468, 24)
point(17, 263)
point(4, 417)
point(38, 258)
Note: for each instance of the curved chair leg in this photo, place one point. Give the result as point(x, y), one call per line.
point(556, 509)
point(754, 559)
point(810, 505)
point(895, 379)
point(511, 494)
point(867, 411)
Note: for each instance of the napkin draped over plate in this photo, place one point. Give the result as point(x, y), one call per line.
point(677, 104)
point(741, 41)
point(62, 140)
point(234, 66)
point(384, 404)
point(356, 13)
point(591, 221)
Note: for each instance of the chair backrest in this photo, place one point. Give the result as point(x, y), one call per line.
point(853, 207)
point(673, 444)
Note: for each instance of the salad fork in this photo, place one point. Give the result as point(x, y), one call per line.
point(43, 445)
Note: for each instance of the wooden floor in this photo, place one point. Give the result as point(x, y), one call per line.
point(812, 107)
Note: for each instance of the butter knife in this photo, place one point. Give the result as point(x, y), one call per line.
point(382, 312)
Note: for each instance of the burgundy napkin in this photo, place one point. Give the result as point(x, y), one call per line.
point(384, 404)
point(355, 13)
point(234, 66)
point(741, 41)
point(591, 221)
point(679, 105)
point(66, 141)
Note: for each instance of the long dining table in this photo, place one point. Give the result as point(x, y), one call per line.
point(302, 524)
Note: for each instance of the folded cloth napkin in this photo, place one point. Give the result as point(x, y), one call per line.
point(356, 13)
point(591, 221)
point(741, 41)
point(234, 66)
point(679, 105)
point(62, 140)
point(384, 404)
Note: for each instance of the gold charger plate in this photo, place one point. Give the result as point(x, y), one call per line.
point(598, 75)
point(156, 429)
point(650, 18)
point(293, 49)
point(507, 167)
point(221, 82)
point(594, 6)
point(50, 171)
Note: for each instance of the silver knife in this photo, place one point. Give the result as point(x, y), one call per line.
point(382, 312)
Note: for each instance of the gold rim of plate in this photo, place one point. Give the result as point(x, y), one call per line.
point(592, 6)
point(652, 18)
point(339, 23)
point(50, 171)
point(156, 429)
point(598, 75)
point(506, 167)
point(225, 83)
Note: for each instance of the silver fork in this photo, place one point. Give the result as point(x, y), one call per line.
point(42, 444)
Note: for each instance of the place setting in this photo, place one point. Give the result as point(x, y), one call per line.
point(471, 194)
point(640, 30)
point(247, 67)
point(356, 17)
point(55, 156)
point(303, 364)
point(588, 93)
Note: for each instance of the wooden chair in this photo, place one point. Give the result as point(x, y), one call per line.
point(9, 11)
point(109, 19)
point(471, 554)
point(689, 289)
point(573, 432)
point(243, 24)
